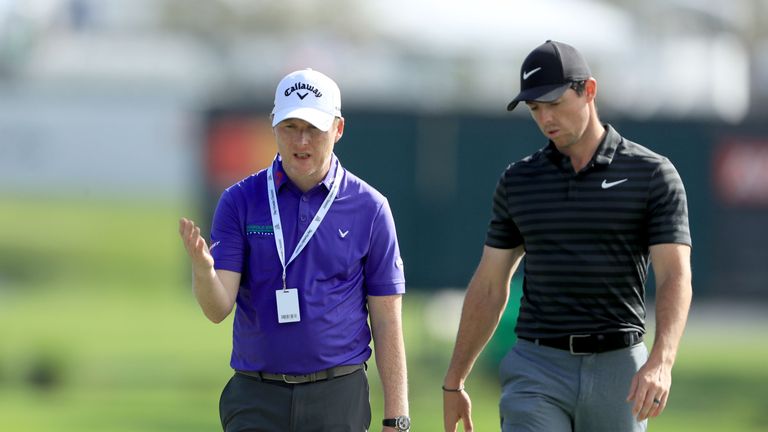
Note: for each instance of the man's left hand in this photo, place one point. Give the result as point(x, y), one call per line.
point(649, 390)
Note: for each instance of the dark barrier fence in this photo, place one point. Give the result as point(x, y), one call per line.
point(439, 173)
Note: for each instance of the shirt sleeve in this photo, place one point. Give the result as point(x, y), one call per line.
point(227, 235)
point(384, 269)
point(502, 233)
point(668, 207)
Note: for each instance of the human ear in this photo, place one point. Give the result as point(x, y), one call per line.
point(590, 89)
point(339, 129)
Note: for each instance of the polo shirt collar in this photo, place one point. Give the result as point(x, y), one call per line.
point(607, 148)
point(604, 153)
point(335, 165)
point(281, 177)
point(551, 152)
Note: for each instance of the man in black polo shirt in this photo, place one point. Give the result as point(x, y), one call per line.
point(589, 211)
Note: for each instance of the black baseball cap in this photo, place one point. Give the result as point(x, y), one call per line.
point(548, 71)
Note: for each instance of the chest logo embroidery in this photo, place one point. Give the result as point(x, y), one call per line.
point(343, 234)
point(607, 185)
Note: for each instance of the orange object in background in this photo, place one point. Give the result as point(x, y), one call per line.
point(238, 146)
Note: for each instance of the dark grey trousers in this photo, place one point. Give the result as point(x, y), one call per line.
point(337, 405)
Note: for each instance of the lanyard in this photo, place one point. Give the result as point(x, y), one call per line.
point(279, 239)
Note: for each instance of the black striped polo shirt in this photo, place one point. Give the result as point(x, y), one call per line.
point(587, 235)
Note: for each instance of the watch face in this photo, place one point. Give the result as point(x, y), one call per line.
point(403, 423)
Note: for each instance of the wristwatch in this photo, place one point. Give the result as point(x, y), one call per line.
point(400, 423)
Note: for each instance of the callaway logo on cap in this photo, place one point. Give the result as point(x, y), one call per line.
point(548, 71)
point(308, 95)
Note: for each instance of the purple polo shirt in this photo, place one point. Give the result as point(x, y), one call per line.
point(353, 254)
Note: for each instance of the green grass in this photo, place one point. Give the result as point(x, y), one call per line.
point(99, 332)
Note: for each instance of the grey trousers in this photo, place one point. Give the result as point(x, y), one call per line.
point(550, 390)
point(337, 405)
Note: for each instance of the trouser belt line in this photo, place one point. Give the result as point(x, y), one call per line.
point(322, 375)
point(584, 344)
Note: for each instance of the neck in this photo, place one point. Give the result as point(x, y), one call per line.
point(583, 151)
point(307, 182)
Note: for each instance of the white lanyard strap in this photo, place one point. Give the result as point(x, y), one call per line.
point(278, 228)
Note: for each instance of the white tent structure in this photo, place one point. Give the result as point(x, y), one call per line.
point(644, 66)
point(490, 27)
point(420, 54)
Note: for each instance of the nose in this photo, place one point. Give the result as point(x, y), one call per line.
point(545, 114)
point(305, 136)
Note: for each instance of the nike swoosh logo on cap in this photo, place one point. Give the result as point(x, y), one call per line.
point(530, 72)
point(607, 185)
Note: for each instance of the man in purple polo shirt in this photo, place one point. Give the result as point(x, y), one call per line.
point(307, 251)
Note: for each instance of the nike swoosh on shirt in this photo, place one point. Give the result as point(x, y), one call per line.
point(530, 72)
point(607, 185)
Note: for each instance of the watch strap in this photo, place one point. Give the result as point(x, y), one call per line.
point(398, 423)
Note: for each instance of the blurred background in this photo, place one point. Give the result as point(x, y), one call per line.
point(117, 117)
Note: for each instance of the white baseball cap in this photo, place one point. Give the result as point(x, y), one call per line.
point(308, 95)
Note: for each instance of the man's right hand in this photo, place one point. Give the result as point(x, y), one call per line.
point(215, 290)
point(457, 406)
point(196, 247)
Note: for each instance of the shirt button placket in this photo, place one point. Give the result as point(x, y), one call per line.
point(304, 211)
point(572, 189)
